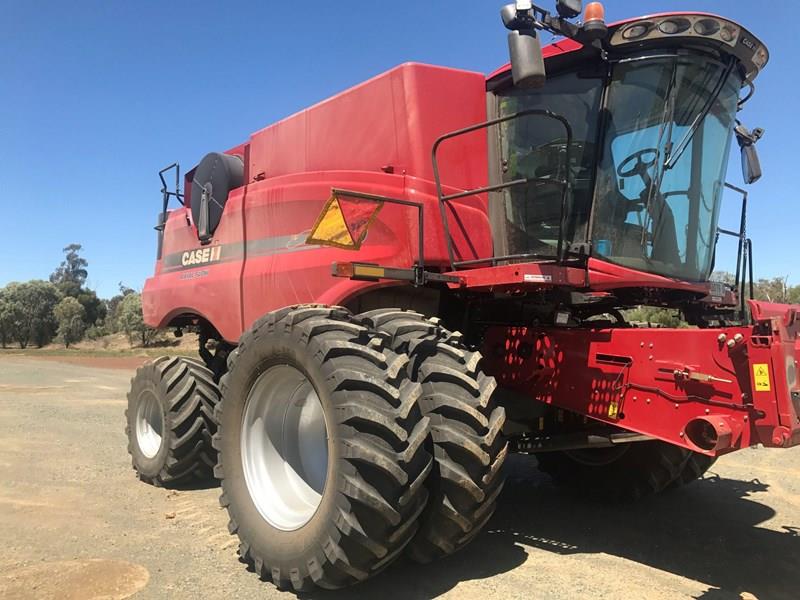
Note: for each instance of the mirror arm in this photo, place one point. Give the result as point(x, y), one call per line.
point(745, 137)
point(538, 18)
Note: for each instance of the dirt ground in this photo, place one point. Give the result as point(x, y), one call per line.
point(75, 522)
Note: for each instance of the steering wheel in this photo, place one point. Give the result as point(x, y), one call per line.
point(641, 165)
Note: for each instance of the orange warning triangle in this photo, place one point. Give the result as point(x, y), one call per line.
point(344, 222)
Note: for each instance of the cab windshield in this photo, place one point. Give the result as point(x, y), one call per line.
point(647, 164)
point(662, 170)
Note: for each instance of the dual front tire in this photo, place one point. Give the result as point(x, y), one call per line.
point(342, 441)
point(322, 447)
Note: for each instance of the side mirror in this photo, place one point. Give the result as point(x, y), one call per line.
point(527, 62)
point(751, 165)
point(524, 47)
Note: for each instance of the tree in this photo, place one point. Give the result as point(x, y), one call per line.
point(652, 315)
point(131, 321)
point(112, 305)
point(776, 289)
point(72, 269)
point(70, 278)
point(94, 307)
point(10, 313)
point(31, 310)
point(70, 315)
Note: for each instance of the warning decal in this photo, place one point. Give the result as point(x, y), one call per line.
point(613, 410)
point(761, 377)
point(344, 221)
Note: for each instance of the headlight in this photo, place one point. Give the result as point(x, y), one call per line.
point(728, 33)
point(673, 26)
point(706, 27)
point(637, 30)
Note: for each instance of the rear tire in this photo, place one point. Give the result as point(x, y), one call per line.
point(170, 421)
point(619, 474)
point(366, 505)
point(466, 424)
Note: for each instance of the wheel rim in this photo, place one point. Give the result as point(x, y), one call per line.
point(149, 425)
point(284, 445)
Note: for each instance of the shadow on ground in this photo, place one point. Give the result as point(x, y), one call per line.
point(707, 532)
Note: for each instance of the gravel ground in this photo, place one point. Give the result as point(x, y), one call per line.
point(75, 522)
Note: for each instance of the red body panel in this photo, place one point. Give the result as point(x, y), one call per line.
point(658, 381)
point(373, 138)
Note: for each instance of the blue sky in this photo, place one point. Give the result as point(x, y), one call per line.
point(97, 96)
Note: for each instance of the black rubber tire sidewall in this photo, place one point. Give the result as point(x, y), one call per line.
point(266, 540)
point(147, 382)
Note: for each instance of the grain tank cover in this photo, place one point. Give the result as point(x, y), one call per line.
point(388, 123)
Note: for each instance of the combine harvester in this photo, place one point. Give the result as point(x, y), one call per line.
point(400, 285)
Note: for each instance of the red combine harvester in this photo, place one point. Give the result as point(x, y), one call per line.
point(398, 286)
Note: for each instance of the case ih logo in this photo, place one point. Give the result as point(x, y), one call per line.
point(201, 256)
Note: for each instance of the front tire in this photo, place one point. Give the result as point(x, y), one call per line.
point(339, 419)
point(466, 423)
point(170, 421)
point(618, 474)
point(695, 468)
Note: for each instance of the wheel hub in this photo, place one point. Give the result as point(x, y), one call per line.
point(284, 447)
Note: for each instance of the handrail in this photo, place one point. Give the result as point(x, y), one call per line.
point(565, 183)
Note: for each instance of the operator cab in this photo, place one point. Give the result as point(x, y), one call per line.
point(624, 151)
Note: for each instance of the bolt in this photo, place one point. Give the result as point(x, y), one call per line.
point(708, 411)
point(641, 344)
point(731, 343)
point(738, 337)
point(676, 406)
point(648, 400)
point(651, 344)
point(722, 337)
point(650, 357)
point(681, 434)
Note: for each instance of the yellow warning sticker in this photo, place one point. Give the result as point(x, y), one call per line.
point(344, 222)
point(613, 410)
point(761, 377)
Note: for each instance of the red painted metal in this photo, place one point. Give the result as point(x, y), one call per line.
point(291, 168)
point(659, 381)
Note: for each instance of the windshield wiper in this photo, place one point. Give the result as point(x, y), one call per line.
point(674, 157)
point(667, 122)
